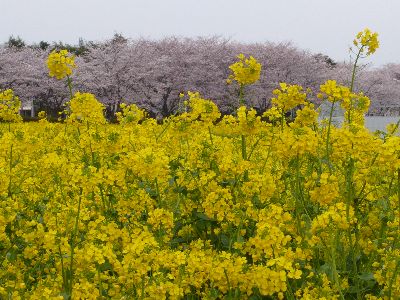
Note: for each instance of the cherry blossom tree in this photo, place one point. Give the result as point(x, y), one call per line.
point(25, 72)
point(382, 85)
point(152, 74)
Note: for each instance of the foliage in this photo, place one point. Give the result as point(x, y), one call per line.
point(15, 42)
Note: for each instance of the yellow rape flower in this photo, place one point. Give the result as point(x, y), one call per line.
point(9, 106)
point(130, 114)
point(367, 41)
point(85, 107)
point(288, 97)
point(306, 116)
point(202, 109)
point(246, 71)
point(333, 92)
point(60, 64)
point(355, 105)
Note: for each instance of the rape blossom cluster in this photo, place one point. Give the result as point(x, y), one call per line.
point(246, 71)
point(60, 64)
point(9, 106)
point(367, 41)
point(200, 206)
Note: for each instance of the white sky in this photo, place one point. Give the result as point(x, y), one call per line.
point(326, 26)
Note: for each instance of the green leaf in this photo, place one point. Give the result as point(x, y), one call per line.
point(366, 276)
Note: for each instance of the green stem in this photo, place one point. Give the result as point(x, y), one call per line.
point(300, 189)
point(254, 146)
point(329, 134)
point(69, 83)
point(244, 156)
point(353, 77)
point(142, 289)
point(241, 95)
point(398, 194)
point(158, 192)
point(163, 131)
point(73, 244)
point(334, 269)
point(211, 138)
point(350, 200)
point(100, 282)
point(244, 152)
point(10, 172)
point(395, 127)
point(227, 280)
point(63, 271)
point(394, 275)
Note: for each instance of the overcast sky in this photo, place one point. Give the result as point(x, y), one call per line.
point(326, 26)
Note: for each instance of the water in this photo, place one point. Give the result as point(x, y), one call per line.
point(373, 123)
point(379, 123)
